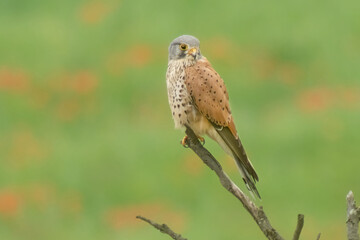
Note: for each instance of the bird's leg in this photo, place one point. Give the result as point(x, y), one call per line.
point(183, 141)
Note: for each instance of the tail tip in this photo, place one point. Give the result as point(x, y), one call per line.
point(252, 188)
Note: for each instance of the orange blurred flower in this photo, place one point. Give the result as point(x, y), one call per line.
point(139, 55)
point(81, 82)
point(94, 12)
point(13, 80)
point(323, 98)
point(315, 99)
point(9, 203)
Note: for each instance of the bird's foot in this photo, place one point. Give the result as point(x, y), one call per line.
point(185, 138)
point(202, 140)
point(183, 141)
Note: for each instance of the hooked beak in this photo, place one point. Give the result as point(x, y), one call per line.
point(192, 52)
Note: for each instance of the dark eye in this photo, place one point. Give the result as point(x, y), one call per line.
point(183, 46)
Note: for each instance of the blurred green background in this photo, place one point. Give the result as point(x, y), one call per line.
point(86, 136)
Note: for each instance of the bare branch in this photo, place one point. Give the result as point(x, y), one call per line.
point(353, 217)
point(318, 236)
point(299, 226)
point(163, 228)
point(256, 212)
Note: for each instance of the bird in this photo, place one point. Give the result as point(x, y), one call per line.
point(199, 100)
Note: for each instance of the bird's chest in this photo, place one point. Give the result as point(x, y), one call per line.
point(179, 98)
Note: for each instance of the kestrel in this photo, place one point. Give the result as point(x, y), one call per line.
point(198, 99)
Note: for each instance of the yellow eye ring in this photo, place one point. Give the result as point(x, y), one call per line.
point(183, 46)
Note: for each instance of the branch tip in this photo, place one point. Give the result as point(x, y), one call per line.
point(318, 236)
point(162, 228)
point(353, 217)
point(299, 226)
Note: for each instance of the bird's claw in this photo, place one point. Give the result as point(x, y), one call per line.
point(183, 142)
point(202, 140)
point(185, 138)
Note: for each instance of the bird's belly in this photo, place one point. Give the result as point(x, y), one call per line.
point(199, 124)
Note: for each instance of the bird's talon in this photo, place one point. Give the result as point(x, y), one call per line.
point(183, 142)
point(202, 140)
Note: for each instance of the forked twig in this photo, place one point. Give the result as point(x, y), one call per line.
point(163, 228)
point(256, 212)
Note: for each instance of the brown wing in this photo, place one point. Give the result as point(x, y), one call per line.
point(208, 92)
point(210, 96)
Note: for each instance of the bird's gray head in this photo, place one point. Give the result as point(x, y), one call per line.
point(183, 47)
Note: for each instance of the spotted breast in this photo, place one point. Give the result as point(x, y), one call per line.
point(179, 98)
